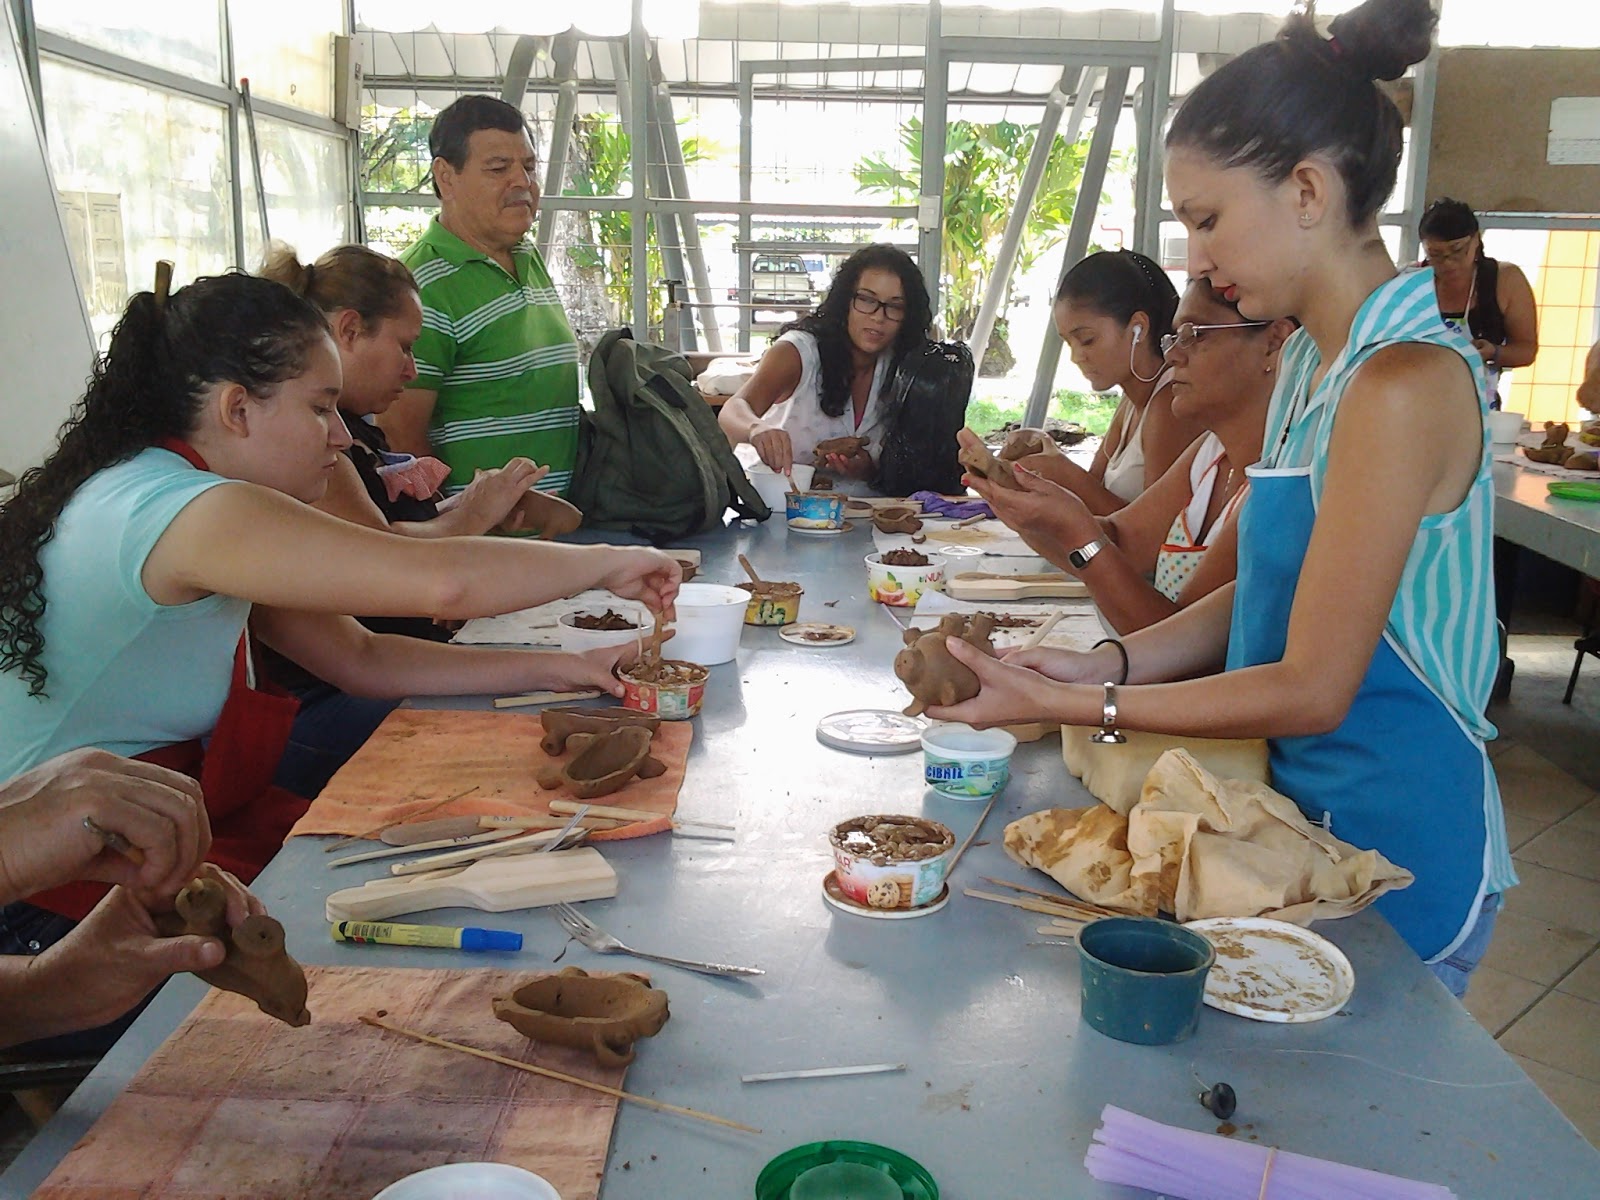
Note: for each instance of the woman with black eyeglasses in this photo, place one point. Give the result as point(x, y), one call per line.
point(1488, 300)
point(1176, 541)
point(828, 374)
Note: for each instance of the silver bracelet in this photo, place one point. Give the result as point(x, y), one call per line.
point(1108, 734)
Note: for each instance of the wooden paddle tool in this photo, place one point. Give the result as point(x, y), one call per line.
point(491, 884)
point(979, 585)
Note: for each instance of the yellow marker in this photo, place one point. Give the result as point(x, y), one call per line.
point(443, 936)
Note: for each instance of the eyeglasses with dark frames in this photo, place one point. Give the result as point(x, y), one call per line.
point(1189, 333)
point(867, 305)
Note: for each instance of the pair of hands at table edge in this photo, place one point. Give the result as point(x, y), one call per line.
point(115, 956)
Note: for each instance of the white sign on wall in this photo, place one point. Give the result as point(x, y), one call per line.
point(1574, 131)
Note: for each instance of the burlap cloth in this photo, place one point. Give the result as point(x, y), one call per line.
point(418, 757)
point(1196, 846)
point(239, 1106)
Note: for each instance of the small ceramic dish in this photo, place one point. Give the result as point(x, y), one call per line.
point(966, 763)
point(902, 587)
point(676, 698)
point(891, 861)
point(774, 604)
point(575, 640)
point(814, 510)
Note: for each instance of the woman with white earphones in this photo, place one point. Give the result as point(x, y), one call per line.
point(1112, 310)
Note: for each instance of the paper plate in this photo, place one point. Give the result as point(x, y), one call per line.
point(871, 731)
point(817, 635)
point(845, 528)
point(1273, 971)
point(834, 895)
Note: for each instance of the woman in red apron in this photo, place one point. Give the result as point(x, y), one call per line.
point(1360, 636)
point(177, 500)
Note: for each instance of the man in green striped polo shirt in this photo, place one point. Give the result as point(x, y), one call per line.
point(497, 364)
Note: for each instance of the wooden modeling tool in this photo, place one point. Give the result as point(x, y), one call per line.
point(751, 571)
point(508, 843)
point(978, 585)
point(1056, 898)
point(414, 833)
point(372, 833)
point(110, 838)
point(822, 1072)
point(470, 839)
point(1039, 635)
point(972, 520)
point(592, 822)
point(544, 698)
point(982, 817)
point(630, 814)
point(659, 1105)
point(492, 885)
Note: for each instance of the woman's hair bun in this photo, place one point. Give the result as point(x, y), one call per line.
point(1381, 38)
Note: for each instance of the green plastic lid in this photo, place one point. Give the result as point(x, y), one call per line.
point(844, 1171)
point(1575, 489)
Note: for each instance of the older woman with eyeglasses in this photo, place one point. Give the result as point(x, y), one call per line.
point(1175, 542)
point(827, 375)
point(1488, 300)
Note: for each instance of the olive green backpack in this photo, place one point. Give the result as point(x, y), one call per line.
point(652, 459)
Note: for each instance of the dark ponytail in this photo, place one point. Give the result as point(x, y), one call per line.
point(149, 384)
point(1119, 283)
point(1303, 94)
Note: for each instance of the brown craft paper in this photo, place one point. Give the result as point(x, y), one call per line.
point(235, 1104)
point(418, 757)
point(1196, 846)
point(1114, 772)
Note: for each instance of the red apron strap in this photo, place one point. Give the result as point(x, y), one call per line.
point(183, 450)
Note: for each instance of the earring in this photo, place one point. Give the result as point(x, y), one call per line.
point(1305, 218)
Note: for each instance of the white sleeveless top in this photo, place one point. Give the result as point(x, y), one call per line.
point(1124, 477)
point(801, 415)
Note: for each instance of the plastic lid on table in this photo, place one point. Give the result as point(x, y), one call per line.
point(845, 1171)
point(871, 731)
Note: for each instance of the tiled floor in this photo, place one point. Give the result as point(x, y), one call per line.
point(1538, 990)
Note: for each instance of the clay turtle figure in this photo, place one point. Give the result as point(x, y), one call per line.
point(928, 669)
point(605, 762)
point(604, 1014)
point(561, 723)
point(845, 447)
point(977, 460)
point(255, 965)
point(552, 516)
point(897, 518)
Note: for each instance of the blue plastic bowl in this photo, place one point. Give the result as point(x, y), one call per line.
point(1144, 980)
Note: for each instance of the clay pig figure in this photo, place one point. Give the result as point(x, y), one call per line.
point(256, 964)
point(977, 460)
point(845, 447)
point(928, 669)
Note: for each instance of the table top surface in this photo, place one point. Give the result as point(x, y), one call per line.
point(1004, 1085)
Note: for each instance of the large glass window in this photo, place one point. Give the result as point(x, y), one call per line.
point(285, 50)
point(307, 176)
point(142, 175)
point(180, 35)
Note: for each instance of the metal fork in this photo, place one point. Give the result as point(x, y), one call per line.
point(601, 942)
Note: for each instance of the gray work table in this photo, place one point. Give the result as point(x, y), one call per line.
point(1525, 513)
point(1004, 1086)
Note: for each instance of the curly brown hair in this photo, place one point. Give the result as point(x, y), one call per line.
point(148, 385)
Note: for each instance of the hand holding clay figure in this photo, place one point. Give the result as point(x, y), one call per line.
point(649, 576)
point(44, 841)
point(493, 494)
point(1048, 517)
point(850, 466)
point(112, 960)
point(774, 446)
point(595, 668)
point(1007, 693)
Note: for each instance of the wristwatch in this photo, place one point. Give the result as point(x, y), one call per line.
point(1081, 557)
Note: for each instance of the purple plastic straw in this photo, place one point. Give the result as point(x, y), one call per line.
point(1180, 1163)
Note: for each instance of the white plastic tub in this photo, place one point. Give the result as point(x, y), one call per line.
point(710, 620)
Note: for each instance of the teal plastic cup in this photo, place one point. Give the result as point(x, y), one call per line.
point(1144, 980)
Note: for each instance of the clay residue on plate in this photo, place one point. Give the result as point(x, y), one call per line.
point(609, 620)
point(669, 672)
point(882, 840)
point(904, 558)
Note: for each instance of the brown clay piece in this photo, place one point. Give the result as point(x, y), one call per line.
point(1020, 443)
point(928, 669)
point(604, 762)
point(897, 518)
point(550, 515)
point(608, 621)
point(690, 570)
point(1582, 461)
point(561, 723)
point(845, 447)
point(772, 589)
point(669, 672)
point(604, 1014)
point(904, 558)
point(255, 965)
point(977, 460)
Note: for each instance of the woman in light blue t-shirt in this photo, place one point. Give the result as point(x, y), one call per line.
point(1359, 638)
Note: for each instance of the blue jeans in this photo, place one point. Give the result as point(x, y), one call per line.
point(330, 727)
point(1455, 970)
point(28, 929)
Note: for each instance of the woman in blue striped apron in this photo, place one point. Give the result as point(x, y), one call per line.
point(1359, 637)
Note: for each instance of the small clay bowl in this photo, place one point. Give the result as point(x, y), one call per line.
point(879, 878)
point(604, 1014)
point(902, 587)
point(774, 604)
point(815, 510)
point(670, 701)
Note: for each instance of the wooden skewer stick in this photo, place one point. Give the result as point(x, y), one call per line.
point(421, 847)
point(661, 1105)
point(1093, 910)
point(544, 698)
point(1043, 631)
point(631, 814)
point(372, 833)
point(750, 571)
point(595, 824)
point(972, 520)
point(982, 817)
point(1038, 906)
